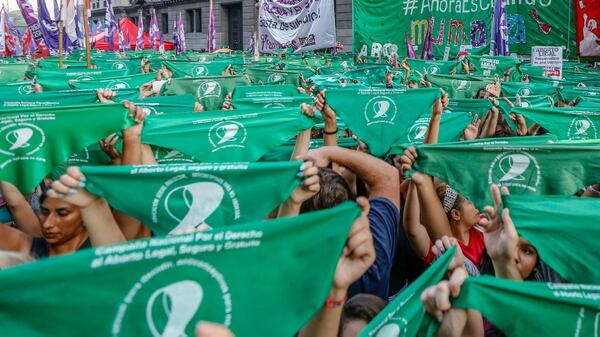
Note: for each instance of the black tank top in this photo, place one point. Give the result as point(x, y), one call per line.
point(41, 249)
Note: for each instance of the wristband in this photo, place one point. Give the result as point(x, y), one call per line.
point(331, 303)
point(330, 133)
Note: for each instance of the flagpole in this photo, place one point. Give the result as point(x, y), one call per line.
point(60, 38)
point(86, 32)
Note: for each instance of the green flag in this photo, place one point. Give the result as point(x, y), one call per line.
point(535, 169)
point(34, 141)
point(240, 276)
point(488, 65)
point(52, 80)
point(170, 197)
point(12, 72)
point(565, 123)
point(221, 137)
point(114, 83)
point(459, 86)
point(378, 116)
point(268, 96)
point(564, 309)
point(405, 315)
point(564, 231)
point(210, 91)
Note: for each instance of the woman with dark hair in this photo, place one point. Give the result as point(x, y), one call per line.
point(358, 312)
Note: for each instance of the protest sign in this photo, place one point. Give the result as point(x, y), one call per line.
point(549, 58)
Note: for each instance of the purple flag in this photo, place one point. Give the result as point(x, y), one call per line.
point(56, 10)
point(110, 25)
point(181, 28)
point(499, 43)
point(139, 39)
point(212, 33)
point(427, 52)
point(79, 28)
point(161, 46)
point(99, 27)
point(121, 39)
point(410, 51)
point(31, 20)
point(49, 28)
point(176, 41)
point(154, 32)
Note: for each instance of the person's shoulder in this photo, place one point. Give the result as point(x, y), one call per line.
point(383, 204)
point(383, 213)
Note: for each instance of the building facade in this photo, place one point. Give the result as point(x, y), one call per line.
point(235, 20)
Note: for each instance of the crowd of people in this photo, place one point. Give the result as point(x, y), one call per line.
point(380, 156)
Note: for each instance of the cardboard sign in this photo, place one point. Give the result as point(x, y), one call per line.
point(550, 58)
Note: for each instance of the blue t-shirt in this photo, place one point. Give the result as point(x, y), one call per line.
point(384, 221)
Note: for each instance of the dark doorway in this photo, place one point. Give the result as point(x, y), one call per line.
point(235, 27)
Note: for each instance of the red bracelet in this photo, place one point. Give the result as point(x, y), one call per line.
point(331, 303)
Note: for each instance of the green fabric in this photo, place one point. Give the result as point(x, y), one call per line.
point(473, 105)
point(268, 96)
point(534, 169)
point(588, 102)
point(195, 69)
point(34, 141)
point(209, 91)
point(405, 315)
point(274, 76)
point(571, 93)
point(377, 116)
point(284, 151)
point(487, 65)
point(521, 140)
point(133, 66)
point(459, 86)
point(512, 89)
point(240, 276)
point(565, 123)
point(12, 72)
point(91, 155)
point(221, 137)
point(52, 80)
point(167, 156)
point(17, 88)
point(432, 67)
point(560, 309)
point(528, 101)
point(53, 98)
point(564, 231)
point(115, 83)
point(385, 23)
point(367, 74)
point(170, 197)
point(166, 104)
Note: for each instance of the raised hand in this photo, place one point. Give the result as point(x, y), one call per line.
point(70, 188)
point(472, 130)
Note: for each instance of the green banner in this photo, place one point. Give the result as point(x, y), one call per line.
point(377, 116)
point(223, 137)
point(210, 91)
point(380, 26)
point(492, 65)
point(239, 277)
point(268, 96)
point(432, 67)
point(17, 88)
point(12, 72)
point(567, 238)
point(405, 315)
point(195, 69)
point(512, 89)
point(34, 141)
point(284, 151)
point(165, 104)
point(459, 86)
point(52, 80)
point(535, 169)
point(170, 197)
point(114, 83)
point(43, 99)
point(563, 309)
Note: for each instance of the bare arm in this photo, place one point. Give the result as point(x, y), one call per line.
point(434, 124)
point(12, 239)
point(25, 218)
point(417, 233)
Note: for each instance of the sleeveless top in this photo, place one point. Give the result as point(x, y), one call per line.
point(41, 249)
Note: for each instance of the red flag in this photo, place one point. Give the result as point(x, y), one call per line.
point(587, 14)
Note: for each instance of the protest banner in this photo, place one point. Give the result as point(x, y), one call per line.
point(549, 58)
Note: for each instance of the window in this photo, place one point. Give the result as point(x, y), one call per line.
point(189, 20)
point(193, 20)
point(164, 21)
point(198, 20)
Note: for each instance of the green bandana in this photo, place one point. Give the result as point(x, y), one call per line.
point(566, 309)
point(472, 105)
point(405, 315)
point(114, 83)
point(90, 156)
point(43, 99)
point(588, 103)
point(167, 156)
point(59, 79)
point(268, 96)
point(487, 65)
point(452, 125)
point(34, 141)
point(222, 137)
point(274, 76)
point(571, 93)
point(12, 72)
point(521, 140)
point(432, 67)
point(284, 151)
point(209, 91)
point(539, 170)
point(170, 197)
point(165, 104)
point(377, 116)
point(133, 66)
point(565, 123)
point(189, 69)
point(563, 230)
point(512, 89)
point(17, 88)
point(459, 86)
point(239, 276)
